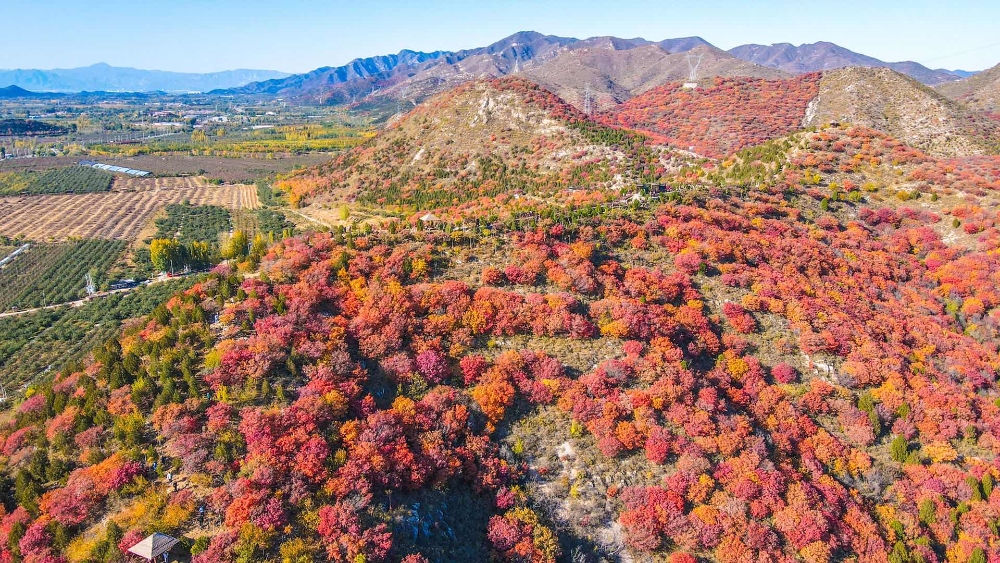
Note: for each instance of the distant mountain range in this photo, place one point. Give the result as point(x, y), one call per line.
point(823, 55)
point(613, 68)
point(104, 77)
point(367, 76)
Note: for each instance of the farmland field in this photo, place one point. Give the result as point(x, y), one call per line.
point(68, 179)
point(131, 184)
point(114, 215)
point(228, 169)
point(188, 223)
point(53, 273)
point(47, 340)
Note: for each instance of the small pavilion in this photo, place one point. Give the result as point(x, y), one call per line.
point(153, 546)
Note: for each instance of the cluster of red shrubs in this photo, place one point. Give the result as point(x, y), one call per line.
point(721, 118)
point(821, 390)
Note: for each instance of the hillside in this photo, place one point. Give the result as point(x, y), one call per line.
point(900, 106)
point(616, 75)
point(479, 139)
point(798, 368)
point(823, 55)
point(980, 91)
point(724, 115)
point(721, 116)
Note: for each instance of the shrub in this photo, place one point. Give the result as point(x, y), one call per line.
point(784, 373)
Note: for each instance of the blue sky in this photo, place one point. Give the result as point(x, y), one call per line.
point(299, 35)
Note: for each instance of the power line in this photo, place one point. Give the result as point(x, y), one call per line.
point(962, 52)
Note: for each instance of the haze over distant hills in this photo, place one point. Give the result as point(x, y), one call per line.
point(104, 77)
point(959, 72)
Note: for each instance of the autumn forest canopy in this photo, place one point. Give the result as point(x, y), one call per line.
point(747, 319)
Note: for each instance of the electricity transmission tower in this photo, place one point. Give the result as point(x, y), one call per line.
point(693, 75)
point(588, 101)
point(91, 290)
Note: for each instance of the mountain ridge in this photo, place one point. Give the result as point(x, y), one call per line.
point(824, 55)
point(414, 75)
point(366, 76)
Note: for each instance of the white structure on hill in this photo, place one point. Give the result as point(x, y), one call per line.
point(693, 76)
point(153, 546)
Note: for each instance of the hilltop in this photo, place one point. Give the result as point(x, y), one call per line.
point(14, 91)
point(981, 91)
point(482, 138)
point(538, 57)
point(411, 76)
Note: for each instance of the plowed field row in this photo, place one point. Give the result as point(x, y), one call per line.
point(110, 215)
point(125, 184)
